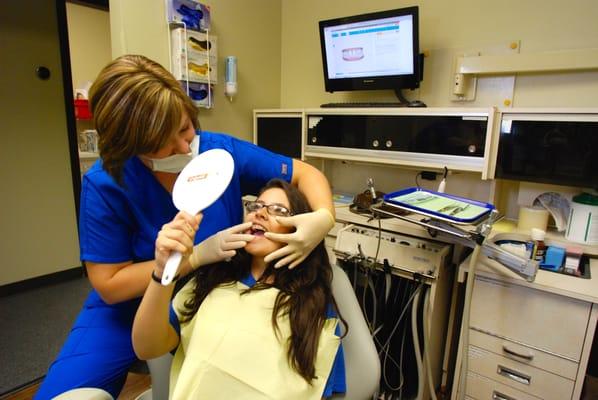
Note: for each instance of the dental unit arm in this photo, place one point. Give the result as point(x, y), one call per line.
point(525, 268)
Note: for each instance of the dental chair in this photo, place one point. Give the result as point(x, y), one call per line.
point(362, 365)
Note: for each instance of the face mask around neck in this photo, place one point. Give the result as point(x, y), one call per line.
point(176, 162)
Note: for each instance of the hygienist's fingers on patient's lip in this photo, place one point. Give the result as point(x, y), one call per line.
point(286, 221)
point(241, 227)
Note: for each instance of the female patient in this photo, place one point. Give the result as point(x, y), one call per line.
point(243, 328)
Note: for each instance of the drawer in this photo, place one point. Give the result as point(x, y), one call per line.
point(526, 355)
point(550, 322)
point(519, 376)
point(481, 388)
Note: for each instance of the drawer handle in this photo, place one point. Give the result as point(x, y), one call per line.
point(499, 396)
point(528, 356)
point(514, 375)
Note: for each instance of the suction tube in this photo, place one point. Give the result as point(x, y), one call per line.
point(427, 345)
point(418, 355)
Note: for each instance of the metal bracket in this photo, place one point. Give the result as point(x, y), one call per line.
point(525, 268)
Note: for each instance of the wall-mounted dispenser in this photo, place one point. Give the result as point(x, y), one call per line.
point(230, 80)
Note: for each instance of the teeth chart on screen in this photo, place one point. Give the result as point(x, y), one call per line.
point(370, 48)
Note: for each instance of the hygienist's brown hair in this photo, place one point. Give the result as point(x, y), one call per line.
point(137, 107)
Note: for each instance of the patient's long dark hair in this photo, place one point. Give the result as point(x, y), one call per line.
point(305, 291)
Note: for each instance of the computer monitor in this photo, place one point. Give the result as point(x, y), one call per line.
point(378, 50)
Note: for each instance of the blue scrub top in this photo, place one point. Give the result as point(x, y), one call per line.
point(121, 223)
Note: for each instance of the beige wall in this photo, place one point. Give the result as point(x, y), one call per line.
point(89, 42)
point(278, 50)
point(448, 28)
point(249, 30)
point(37, 208)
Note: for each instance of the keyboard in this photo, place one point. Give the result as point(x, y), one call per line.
point(367, 104)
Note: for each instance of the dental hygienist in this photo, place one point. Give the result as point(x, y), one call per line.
point(147, 127)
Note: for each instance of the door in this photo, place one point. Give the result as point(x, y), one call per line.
point(38, 229)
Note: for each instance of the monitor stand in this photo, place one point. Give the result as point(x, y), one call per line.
point(407, 103)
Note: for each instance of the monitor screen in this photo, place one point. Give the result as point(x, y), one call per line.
point(371, 51)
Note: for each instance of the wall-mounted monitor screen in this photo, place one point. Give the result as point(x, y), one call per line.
point(371, 51)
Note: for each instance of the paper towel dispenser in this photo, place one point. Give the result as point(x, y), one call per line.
point(553, 148)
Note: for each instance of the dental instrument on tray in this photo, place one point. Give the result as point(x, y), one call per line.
point(199, 184)
point(457, 219)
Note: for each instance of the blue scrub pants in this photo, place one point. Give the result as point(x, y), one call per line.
point(98, 351)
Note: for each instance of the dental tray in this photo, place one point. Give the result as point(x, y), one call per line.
point(446, 207)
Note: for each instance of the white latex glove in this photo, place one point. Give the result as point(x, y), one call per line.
point(220, 246)
point(311, 228)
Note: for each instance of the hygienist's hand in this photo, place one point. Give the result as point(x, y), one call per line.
point(220, 246)
point(311, 228)
point(177, 235)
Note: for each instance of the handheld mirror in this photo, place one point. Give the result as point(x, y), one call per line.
point(199, 184)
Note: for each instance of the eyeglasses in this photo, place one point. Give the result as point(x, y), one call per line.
point(273, 209)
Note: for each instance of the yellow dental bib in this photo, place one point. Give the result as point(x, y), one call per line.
point(229, 350)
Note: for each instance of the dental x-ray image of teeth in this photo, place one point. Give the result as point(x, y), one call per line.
point(353, 54)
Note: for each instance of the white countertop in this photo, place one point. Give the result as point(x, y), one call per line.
point(561, 284)
point(565, 285)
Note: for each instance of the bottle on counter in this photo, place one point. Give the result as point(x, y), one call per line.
point(538, 236)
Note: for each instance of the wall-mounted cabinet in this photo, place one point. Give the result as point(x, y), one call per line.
point(459, 139)
point(552, 146)
point(280, 131)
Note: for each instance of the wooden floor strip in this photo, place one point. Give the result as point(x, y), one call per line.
point(134, 386)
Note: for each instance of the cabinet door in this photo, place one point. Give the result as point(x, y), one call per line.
point(39, 226)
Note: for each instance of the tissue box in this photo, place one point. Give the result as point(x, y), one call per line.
point(190, 12)
point(554, 258)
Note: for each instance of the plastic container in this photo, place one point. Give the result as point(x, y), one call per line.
point(538, 236)
point(82, 110)
point(554, 258)
point(532, 217)
point(582, 226)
